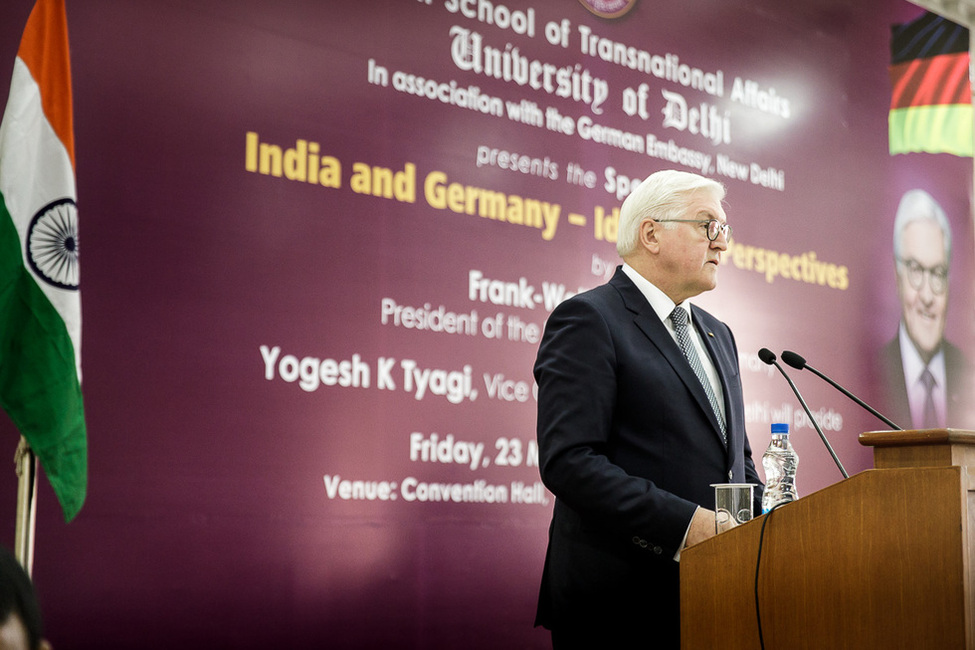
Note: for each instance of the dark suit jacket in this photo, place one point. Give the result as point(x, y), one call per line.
point(960, 406)
point(630, 446)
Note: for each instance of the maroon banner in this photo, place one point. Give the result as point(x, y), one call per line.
point(319, 245)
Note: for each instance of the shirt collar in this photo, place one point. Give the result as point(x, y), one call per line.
point(662, 305)
point(914, 365)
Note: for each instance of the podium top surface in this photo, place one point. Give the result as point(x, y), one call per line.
point(913, 437)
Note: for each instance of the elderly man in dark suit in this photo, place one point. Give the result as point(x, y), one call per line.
point(926, 381)
point(639, 412)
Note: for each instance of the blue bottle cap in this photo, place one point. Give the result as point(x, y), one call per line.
point(780, 427)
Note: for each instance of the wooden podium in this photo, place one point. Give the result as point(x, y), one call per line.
point(883, 559)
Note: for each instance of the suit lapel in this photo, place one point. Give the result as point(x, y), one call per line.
point(720, 361)
point(649, 323)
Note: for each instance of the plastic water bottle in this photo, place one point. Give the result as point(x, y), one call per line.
point(780, 461)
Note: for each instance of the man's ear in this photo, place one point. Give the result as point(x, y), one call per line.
point(648, 235)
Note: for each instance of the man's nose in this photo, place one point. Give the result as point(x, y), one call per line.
point(925, 293)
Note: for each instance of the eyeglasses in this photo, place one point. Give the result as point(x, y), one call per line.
point(713, 226)
point(937, 275)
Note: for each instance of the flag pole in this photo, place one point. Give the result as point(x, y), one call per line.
point(26, 463)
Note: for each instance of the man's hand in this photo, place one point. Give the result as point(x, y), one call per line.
point(701, 528)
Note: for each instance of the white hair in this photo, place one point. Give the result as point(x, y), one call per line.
point(917, 205)
point(662, 196)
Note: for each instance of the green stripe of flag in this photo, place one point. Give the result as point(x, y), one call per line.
point(39, 386)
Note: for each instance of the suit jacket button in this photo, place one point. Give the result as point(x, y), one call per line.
point(657, 550)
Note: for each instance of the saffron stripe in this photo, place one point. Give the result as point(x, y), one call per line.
point(44, 48)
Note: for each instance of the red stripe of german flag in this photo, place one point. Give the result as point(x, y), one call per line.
point(939, 80)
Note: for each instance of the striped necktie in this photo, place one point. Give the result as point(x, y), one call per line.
point(679, 318)
point(930, 414)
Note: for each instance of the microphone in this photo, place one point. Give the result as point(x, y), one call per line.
point(768, 357)
point(799, 363)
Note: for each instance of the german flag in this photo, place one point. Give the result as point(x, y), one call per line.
point(931, 99)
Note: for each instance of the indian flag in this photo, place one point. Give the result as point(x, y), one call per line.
point(40, 304)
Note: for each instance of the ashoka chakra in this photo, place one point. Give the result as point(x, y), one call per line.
point(52, 244)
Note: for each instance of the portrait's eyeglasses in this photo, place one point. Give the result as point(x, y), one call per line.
point(937, 276)
point(713, 226)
